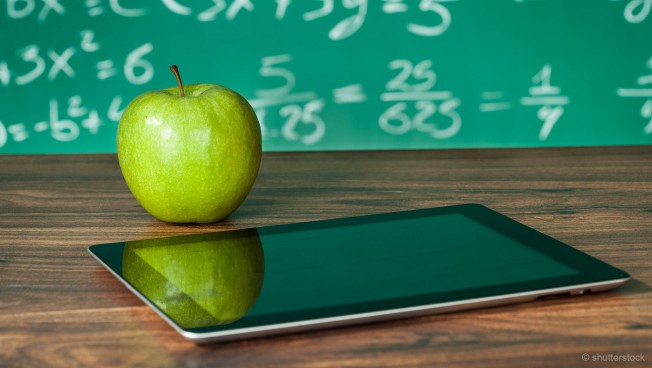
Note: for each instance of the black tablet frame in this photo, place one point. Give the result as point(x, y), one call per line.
point(590, 269)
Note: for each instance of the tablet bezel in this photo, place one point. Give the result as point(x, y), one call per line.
point(591, 271)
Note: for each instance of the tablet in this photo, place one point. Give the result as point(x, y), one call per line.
point(277, 279)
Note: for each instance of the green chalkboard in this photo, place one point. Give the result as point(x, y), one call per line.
point(336, 74)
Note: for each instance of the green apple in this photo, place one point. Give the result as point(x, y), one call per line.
point(189, 154)
point(200, 280)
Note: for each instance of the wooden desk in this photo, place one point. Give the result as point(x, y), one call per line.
point(59, 307)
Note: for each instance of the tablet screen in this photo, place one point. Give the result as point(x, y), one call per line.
point(277, 274)
point(393, 259)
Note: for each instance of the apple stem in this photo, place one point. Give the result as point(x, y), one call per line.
point(175, 71)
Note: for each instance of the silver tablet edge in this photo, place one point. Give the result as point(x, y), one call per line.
point(383, 315)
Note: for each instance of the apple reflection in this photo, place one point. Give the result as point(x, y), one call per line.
point(198, 280)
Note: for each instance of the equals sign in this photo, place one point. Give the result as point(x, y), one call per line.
point(349, 94)
point(94, 7)
point(493, 104)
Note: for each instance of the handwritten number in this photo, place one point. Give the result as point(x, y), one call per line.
point(88, 44)
point(549, 116)
point(306, 115)
point(395, 113)
point(75, 108)
point(422, 71)
point(30, 54)
point(436, 30)
point(399, 82)
point(269, 69)
point(309, 116)
point(543, 78)
point(349, 26)
point(293, 114)
point(449, 108)
point(135, 61)
point(637, 10)
point(425, 110)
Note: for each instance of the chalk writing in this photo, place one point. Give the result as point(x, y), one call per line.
point(299, 110)
point(413, 84)
point(549, 98)
point(642, 90)
point(334, 74)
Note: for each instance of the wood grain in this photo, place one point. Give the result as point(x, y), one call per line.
point(59, 308)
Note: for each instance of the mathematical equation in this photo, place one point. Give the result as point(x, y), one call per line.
point(229, 10)
point(33, 62)
point(413, 105)
point(63, 124)
point(408, 100)
point(636, 11)
point(642, 90)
